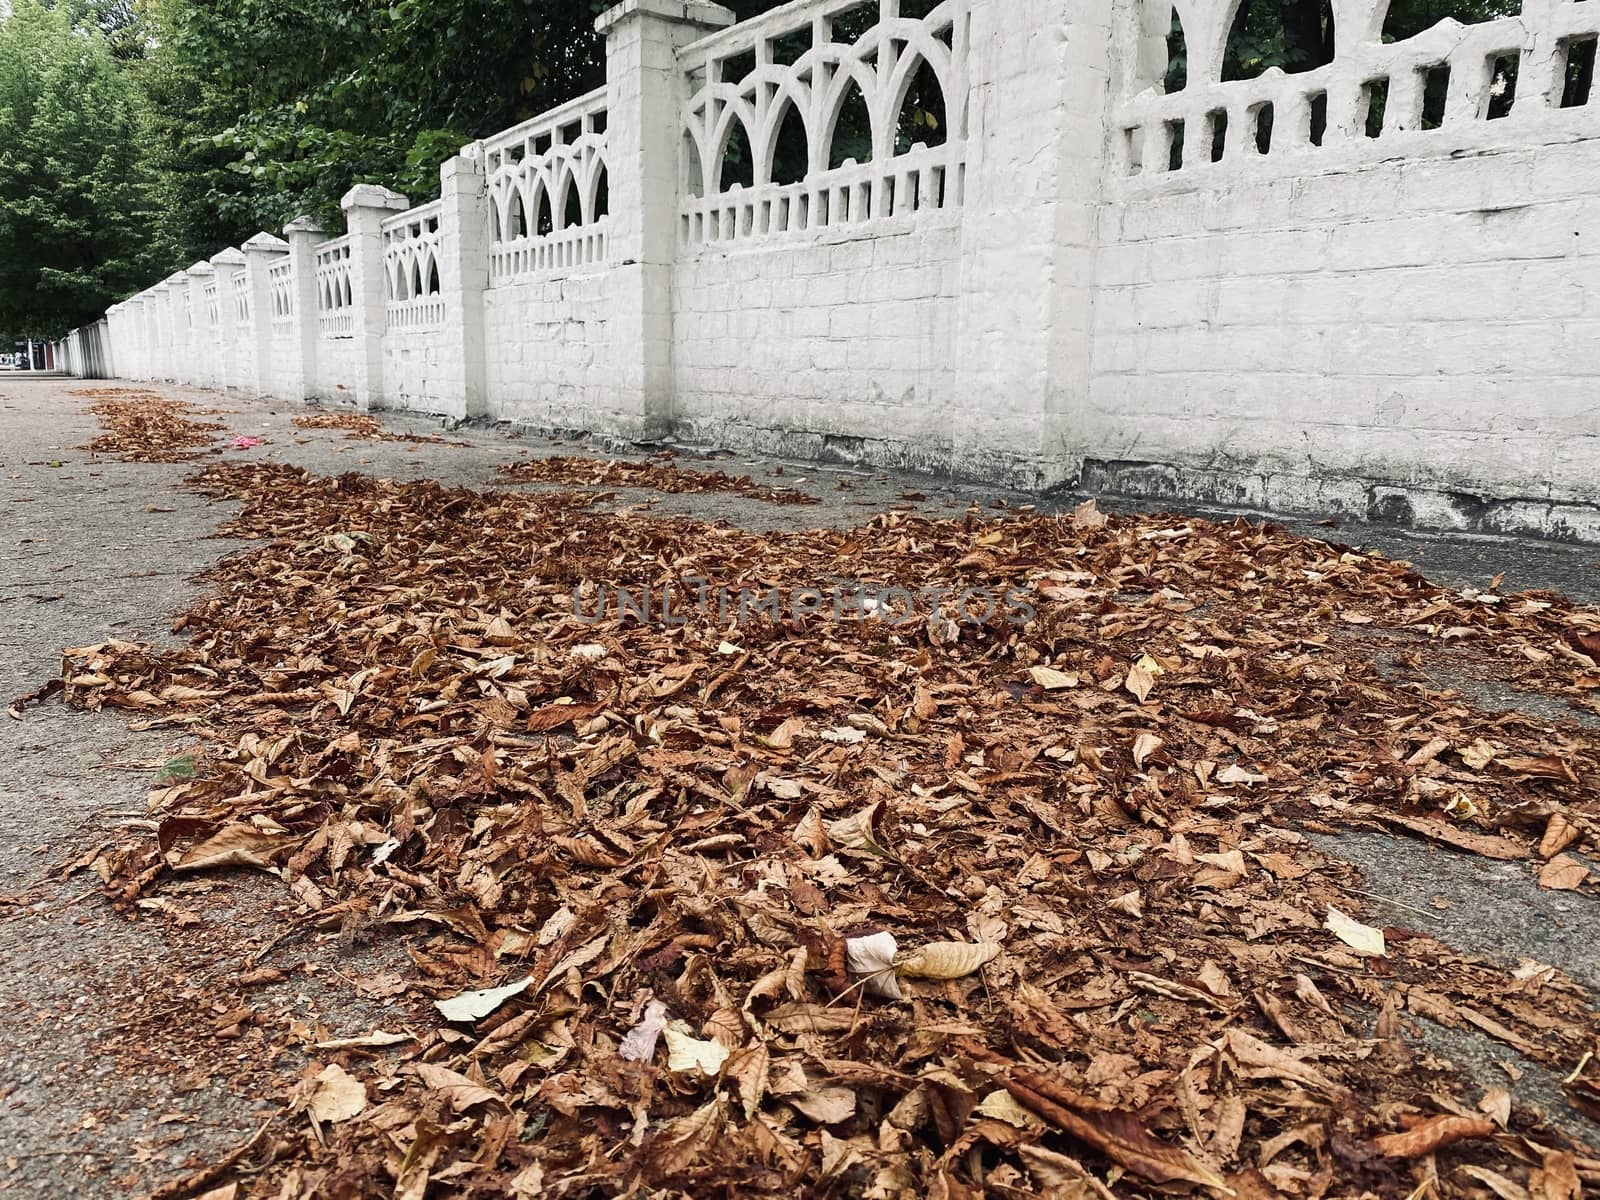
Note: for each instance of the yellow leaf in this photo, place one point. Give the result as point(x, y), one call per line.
point(1144, 746)
point(1051, 679)
point(1363, 939)
point(685, 1052)
point(999, 1106)
point(948, 960)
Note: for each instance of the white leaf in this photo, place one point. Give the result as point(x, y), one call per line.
point(474, 1006)
point(639, 1044)
point(1363, 939)
point(1052, 680)
point(375, 1040)
point(1237, 774)
point(685, 1052)
point(872, 958)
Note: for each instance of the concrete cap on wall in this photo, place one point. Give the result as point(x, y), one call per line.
point(231, 257)
point(302, 225)
point(201, 268)
point(688, 12)
point(176, 278)
point(372, 195)
point(265, 243)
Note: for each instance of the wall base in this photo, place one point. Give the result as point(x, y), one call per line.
point(1388, 502)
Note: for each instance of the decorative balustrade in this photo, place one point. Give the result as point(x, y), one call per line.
point(280, 290)
point(213, 309)
point(820, 115)
point(241, 298)
point(411, 268)
point(549, 199)
point(1447, 82)
point(335, 298)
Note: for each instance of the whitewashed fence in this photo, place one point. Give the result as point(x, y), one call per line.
point(981, 236)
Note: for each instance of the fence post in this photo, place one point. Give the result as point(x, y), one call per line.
point(1035, 167)
point(365, 207)
point(183, 355)
point(161, 325)
point(644, 101)
point(175, 294)
point(463, 278)
point(202, 354)
point(260, 252)
point(109, 361)
point(147, 335)
point(227, 264)
point(303, 235)
point(127, 351)
point(160, 345)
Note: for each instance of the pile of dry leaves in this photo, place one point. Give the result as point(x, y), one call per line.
point(659, 476)
point(141, 426)
point(812, 907)
point(361, 427)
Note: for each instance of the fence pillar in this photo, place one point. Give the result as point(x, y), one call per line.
point(644, 97)
point(161, 322)
point(126, 360)
point(148, 357)
point(365, 207)
point(1035, 158)
point(228, 264)
point(183, 349)
point(202, 352)
point(463, 278)
point(160, 343)
point(109, 360)
point(144, 332)
point(260, 252)
point(303, 235)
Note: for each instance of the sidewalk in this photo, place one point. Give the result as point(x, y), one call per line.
point(99, 1095)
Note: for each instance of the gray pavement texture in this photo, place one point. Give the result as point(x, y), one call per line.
point(99, 1095)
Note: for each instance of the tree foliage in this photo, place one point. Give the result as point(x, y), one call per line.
point(81, 218)
point(1298, 35)
point(272, 108)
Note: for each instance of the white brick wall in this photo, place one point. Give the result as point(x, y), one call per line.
point(1398, 326)
point(552, 356)
point(845, 346)
point(1390, 326)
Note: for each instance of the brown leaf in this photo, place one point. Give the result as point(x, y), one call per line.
point(1433, 1134)
point(1556, 1179)
point(236, 845)
point(458, 1090)
point(1563, 873)
point(682, 1142)
point(1559, 833)
point(1114, 1132)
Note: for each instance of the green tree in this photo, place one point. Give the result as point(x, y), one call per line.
point(81, 222)
point(1298, 35)
point(270, 109)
